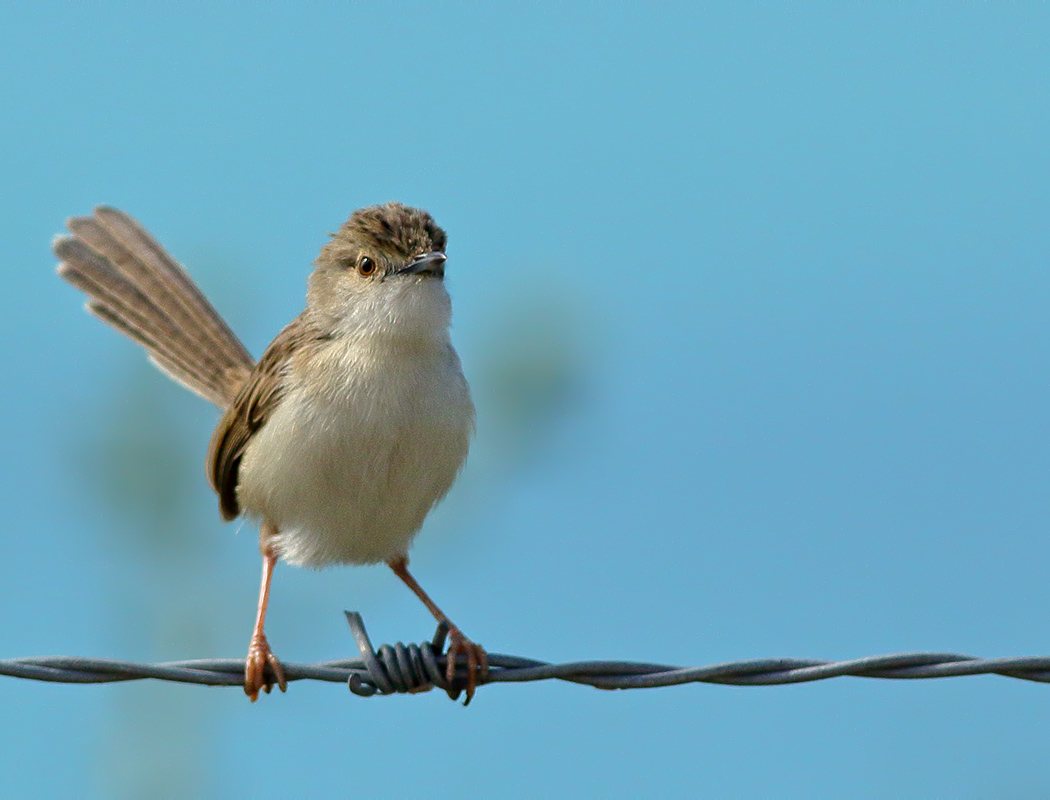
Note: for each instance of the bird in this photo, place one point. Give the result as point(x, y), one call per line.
point(350, 428)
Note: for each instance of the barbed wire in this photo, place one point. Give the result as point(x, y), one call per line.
point(414, 668)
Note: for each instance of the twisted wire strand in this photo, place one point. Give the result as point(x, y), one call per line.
point(416, 668)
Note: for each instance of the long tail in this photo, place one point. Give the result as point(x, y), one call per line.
point(135, 286)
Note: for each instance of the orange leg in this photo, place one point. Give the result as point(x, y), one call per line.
point(477, 659)
point(259, 653)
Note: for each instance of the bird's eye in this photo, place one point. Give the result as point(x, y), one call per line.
point(366, 266)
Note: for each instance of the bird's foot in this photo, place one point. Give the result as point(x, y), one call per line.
point(477, 664)
point(255, 678)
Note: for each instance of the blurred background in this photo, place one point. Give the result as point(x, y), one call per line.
point(754, 303)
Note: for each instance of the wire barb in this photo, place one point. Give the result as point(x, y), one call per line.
point(402, 668)
point(418, 668)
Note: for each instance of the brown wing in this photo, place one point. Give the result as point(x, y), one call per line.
point(250, 409)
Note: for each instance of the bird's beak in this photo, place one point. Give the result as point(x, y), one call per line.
point(427, 264)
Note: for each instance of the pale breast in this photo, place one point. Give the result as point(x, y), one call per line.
point(358, 451)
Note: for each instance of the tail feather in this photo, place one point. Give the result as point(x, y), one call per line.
point(136, 287)
point(123, 299)
point(136, 260)
point(177, 284)
point(171, 364)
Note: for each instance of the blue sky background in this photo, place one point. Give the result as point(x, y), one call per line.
point(754, 302)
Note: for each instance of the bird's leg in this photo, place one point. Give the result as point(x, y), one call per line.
point(259, 653)
point(477, 659)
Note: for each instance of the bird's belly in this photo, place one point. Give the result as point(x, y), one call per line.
point(351, 480)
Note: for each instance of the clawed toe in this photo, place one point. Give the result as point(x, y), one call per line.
point(255, 678)
point(477, 664)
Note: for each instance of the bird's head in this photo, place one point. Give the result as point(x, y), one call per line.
point(383, 272)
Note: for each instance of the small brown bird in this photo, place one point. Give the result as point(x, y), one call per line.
point(352, 425)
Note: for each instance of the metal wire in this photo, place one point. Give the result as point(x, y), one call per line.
point(417, 668)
